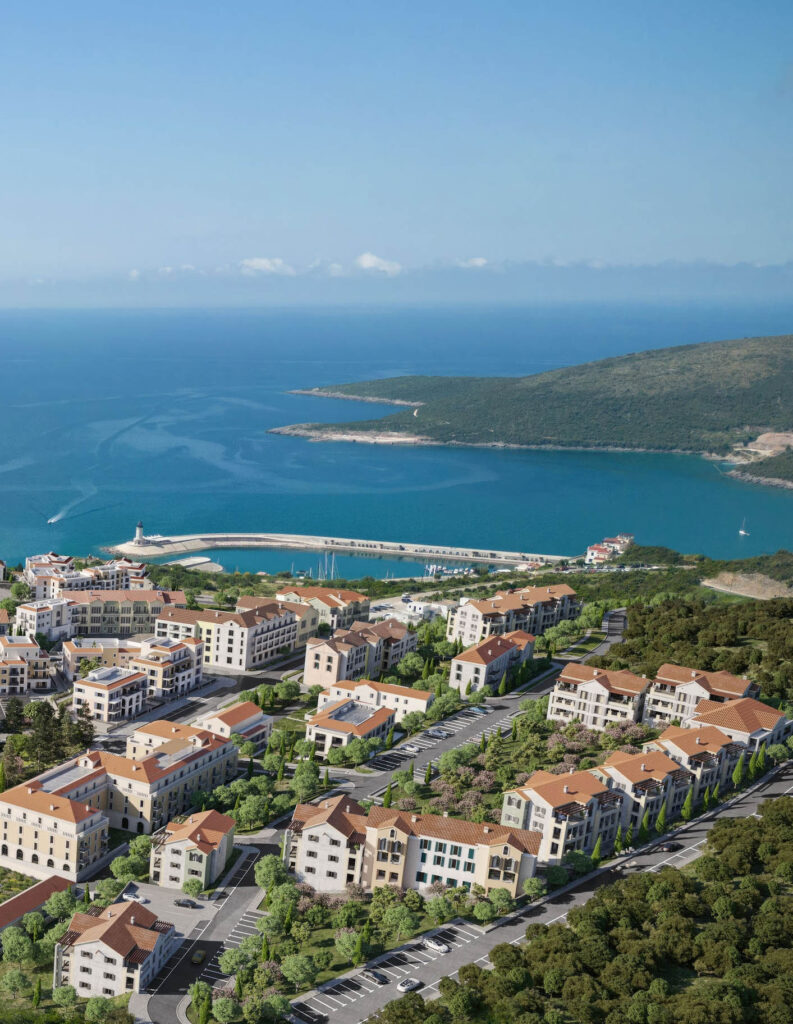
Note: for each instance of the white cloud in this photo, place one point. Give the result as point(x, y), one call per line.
point(473, 262)
point(335, 270)
point(368, 261)
point(133, 275)
point(165, 271)
point(266, 265)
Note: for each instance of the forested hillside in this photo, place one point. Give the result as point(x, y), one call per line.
point(703, 397)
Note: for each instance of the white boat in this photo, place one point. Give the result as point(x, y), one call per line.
point(743, 532)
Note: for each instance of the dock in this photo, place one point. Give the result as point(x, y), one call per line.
point(157, 546)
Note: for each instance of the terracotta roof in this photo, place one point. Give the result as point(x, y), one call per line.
point(32, 797)
point(341, 812)
point(487, 651)
point(615, 681)
point(169, 730)
point(237, 713)
point(520, 637)
point(324, 719)
point(213, 616)
point(204, 831)
point(558, 790)
point(114, 684)
point(388, 629)
point(745, 715)
point(154, 766)
point(722, 684)
point(4, 619)
point(124, 928)
point(164, 597)
point(31, 899)
point(330, 596)
point(694, 741)
point(397, 691)
point(638, 767)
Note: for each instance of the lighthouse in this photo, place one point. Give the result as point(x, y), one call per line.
point(139, 538)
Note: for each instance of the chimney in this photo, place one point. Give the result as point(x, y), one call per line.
point(132, 919)
point(346, 808)
point(644, 767)
point(446, 814)
point(572, 770)
point(52, 807)
point(566, 788)
point(110, 913)
point(191, 819)
point(413, 818)
point(30, 790)
point(327, 804)
point(486, 829)
point(198, 837)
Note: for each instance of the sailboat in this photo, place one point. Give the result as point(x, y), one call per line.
point(743, 532)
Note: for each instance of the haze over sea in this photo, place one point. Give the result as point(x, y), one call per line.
point(111, 416)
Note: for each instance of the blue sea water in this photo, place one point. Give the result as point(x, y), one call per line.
point(111, 416)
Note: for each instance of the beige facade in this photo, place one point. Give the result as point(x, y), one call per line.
point(49, 575)
point(707, 753)
point(25, 669)
point(110, 652)
point(402, 700)
point(113, 951)
point(569, 811)
point(110, 694)
point(336, 842)
point(307, 615)
point(336, 608)
point(196, 847)
point(234, 641)
point(531, 610)
point(345, 720)
point(245, 719)
point(119, 612)
point(365, 650)
point(647, 781)
point(597, 697)
point(676, 691)
point(483, 666)
point(52, 618)
point(747, 721)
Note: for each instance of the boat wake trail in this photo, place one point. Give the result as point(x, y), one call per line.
point(88, 491)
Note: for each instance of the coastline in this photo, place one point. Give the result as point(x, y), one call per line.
point(320, 393)
point(769, 481)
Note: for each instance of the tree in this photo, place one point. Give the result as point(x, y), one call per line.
point(306, 780)
point(428, 774)
point(269, 872)
point(287, 689)
point(714, 796)
point(660, 821)
point(398, 921)
point(706, 798)
point(14, 982)
point(501, 901)
point(596, 852)
point(106, 890)
point(440, 909)
point(33, 923)
point(97, 1009)
point(192, 887)
point(412, 722)
point(15, 716)
point(389, 740)
point(644, 828)
point(618, 839)
point(534, 888)
point(64, 995)
point(21, 591)
point(346, 942)
point(629, 837)
point(300, 970)
point(739, 773)
point(225, 1009)
point(753, 766)
point(502, 686)
point(687, 810)
point(17, 946)
point(199, 992)
point(37, 993)
point(387, 796)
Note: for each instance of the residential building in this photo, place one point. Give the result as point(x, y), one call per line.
point(113, 951)
point(52, 618)
point(245, 719)
point(5, 623)
point(33, 898)
point(337, 724)
point(707, 753)
point(3, 569)
point(198, 846)
point(569, 811)
point(746, 721)
point(119, 612)
point(234, 641)
point(336, 608)
point(110, 694)
point(336, 842)
point(110, 651)
point(647, 781)
point(483, 666)
point(306, 614)
point(173, 668)
point(25, 668)
point(597, 697)
point(609, 547)
point(49, 575)
point(676, 691)
point(402, 700)
point(364, 650)
point(531, 610)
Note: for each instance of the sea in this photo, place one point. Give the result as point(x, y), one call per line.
point(111, 416)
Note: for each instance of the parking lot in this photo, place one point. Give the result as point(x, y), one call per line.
point(161, 901)
point(402, 963)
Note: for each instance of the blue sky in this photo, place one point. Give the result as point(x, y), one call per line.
point(218, 148)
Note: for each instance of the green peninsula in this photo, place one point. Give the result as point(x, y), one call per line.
point(715, 397)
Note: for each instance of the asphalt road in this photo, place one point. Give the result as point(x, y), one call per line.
point(352, 999)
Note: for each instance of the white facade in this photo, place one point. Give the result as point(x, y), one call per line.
point(52, 618)
point(402, 700)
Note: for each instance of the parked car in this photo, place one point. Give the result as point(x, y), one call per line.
point(198, 957)
point(481, 710)
point(408, 984)
point(376, 976)
point(409, 748)
point(134, 897)
point(438, 734)
point(435, 944)
point(185, 903)
point(669, 847)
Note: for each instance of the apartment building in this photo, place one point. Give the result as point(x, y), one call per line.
point(307, 615)
point(110, 651)
point(245, 719)
point(113, 951)
point(3, 569)
point(25, 668)
point(648, 781)
point(119, 612)
point(364, 650)
point(569, 812)
point(676, 691)
point(400, 699)
point(110, 694)
point(336, 608)
point(597, 697)
point(336, 842)
point(51, 617)
point(747, 721)
point(5, 623)
point(172, 667)
point(198, 846)
point(48, 575)
point(234, 641)
point(707, 753)
point(342, 721)
point(531, 610)
point(482, 667)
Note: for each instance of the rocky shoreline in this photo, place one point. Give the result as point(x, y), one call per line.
point(320, 393)
point(769, 481)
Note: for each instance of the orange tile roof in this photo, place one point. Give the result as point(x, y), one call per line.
point(487, 651)
point(122, 927)
point(31, 797)
point(204, 831)
point(455, 830)
point(721, 683)
point(170, 730)
point(638, 767)
point(558, 790)
point(341, 812)
point(164, 597)
point(615, 681)
point(397, 691)
point(388, 629)
point(745, 715)
point(237, 713)
point(4, 619)
point(31, 899)
point(708, 739)
point(324, 720)
point(330, 596)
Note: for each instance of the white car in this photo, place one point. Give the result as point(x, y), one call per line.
point(134, 897)
point(410, 749)
point(436, 944)
point(408, 984)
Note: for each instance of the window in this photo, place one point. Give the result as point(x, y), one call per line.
point(330, 874)
point(311, 871)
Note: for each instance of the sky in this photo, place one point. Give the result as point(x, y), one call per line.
point(152, 152)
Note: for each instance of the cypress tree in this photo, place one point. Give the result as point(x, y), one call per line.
point(428, 774)
point(389, 740)
point(739, 773)
point(468, 689)
point(326, 780)
point(86, 897)
point(618, 839)
point(482, 744)
point(660, 821)
point(687, 810)
point(714, 796)
point(238, 986)
point(644, 828)
point(502, 686)
point(514, 734)
point(387, 796)
point(629, 837)
point(281, 766)
point(37, 992)
point(761, 765)
point(249, 774)
point(706, 798)
point(359, 955)
point(596, 854)
point(265, 949)
point(3, 784)
point(753, 767)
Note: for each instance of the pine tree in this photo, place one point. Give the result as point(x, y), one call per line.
point(761, 764)
point(739, 773)
point(706, 798)
point(596, 854)
point(687, 810)
point(660, 821)
point(618, 839)
point(644, 828)
point(387, 796)
point(428, 774)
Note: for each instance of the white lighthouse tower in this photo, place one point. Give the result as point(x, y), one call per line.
point(139, 538)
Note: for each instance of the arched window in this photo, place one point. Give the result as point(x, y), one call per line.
point(19, 855)
point(66, 867)
point(4, 850)
point(50, 862)
point(35, 858)
point(125, 822)
point(140, 827)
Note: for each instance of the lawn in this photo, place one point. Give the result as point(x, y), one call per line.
point(20, 1009)
point(595, 639)
point(117, 836)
